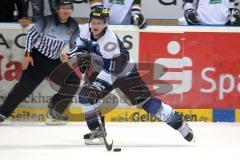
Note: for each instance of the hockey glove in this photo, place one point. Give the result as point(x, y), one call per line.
point(98, 88)
point(83, 61)
point(235, 17)
point(191, 17)
point(139, 20)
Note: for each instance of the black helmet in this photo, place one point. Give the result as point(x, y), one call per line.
point(100, 13)
point(63, 2)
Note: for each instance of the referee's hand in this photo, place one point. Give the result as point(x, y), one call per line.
point(64, 57)
point(26, 62)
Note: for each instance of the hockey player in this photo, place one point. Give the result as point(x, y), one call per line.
point(123, 11)
point(44, 43)
point(210, 12)
point(116, 69)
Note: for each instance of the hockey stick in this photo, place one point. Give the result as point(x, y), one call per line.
point(108, 146)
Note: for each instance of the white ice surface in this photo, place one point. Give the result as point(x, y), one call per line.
point(139, 141)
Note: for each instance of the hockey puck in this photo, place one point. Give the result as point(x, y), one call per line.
point(117, 149)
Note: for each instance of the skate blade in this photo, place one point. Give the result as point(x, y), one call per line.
point(194, 139)
point(55, 122)
point(96, 141)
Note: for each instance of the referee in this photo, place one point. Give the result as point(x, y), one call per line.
point(44, 43)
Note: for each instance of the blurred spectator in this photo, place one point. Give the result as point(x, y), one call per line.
point(234, 15)
point(38, 8)
point(123, 11)
point(7, 9)
point(210, 12)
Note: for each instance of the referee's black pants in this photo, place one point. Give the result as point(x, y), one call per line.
point(34, 75)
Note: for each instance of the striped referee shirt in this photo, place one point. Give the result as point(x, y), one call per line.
point(49, 36)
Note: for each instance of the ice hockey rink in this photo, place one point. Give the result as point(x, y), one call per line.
point(140, 141)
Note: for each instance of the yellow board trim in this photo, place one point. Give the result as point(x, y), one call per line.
point(196, 115)
point(116, 115)
point(237, 115)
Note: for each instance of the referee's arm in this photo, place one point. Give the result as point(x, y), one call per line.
point(79, 46)
point(73, 38)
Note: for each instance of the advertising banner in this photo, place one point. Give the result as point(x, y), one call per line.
point(201, 67)
point(194, 69)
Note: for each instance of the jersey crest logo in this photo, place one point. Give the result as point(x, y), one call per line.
point(69, 31)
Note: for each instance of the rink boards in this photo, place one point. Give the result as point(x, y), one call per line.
point(203, 74)
point(132, 115)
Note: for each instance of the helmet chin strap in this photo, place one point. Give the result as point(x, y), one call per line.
point(100, 34)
